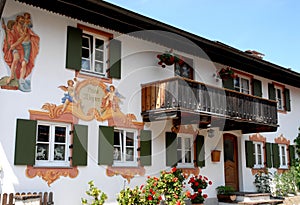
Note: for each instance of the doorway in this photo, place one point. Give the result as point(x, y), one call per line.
point(231, 161)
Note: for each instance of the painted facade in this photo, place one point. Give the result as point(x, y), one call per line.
point(100, 123)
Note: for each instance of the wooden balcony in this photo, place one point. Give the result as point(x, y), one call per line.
point(191, 102)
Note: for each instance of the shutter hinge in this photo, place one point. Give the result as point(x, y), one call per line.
point(69, 158)
point(138, 149)
point(71, 132)
point(71, 146)
point(138, 159)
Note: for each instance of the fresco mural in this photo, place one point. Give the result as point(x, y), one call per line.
point(90, 99)
point(20, 46)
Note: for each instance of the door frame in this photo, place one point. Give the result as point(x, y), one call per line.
point(236, 158)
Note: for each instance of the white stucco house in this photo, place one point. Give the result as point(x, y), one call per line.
point(92, 91)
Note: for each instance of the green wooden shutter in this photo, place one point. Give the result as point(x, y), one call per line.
point(106, 145)
point(268, 154)
point(80, 145)
point(272, 94)
point(287, 99)
point(115, 59)
point(200, 151)
point(25, 142)
point(276, 159)
point(257, 87)
point(292, 155)
point(146, 147)
point(228, 83)
point(74, 46)
point(171, 149)
point(249, 154)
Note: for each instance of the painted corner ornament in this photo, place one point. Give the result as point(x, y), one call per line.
point(89, 99)
point(20, 48)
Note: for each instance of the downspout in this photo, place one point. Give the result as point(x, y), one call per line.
point(2, 4)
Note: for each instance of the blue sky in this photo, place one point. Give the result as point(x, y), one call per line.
point(271, 27)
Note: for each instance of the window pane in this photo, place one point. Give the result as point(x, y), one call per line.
point(43, 133)
point(85, 64)
point(60, 134)
point(86, 41)
point(129, 154)
point(99, 44)
point(187, 143)
point(117, 153)
point(99, 55)
point(59, 152)
point(254, 153)
point(129, 139)
point(188, 157)
point(259, 149)
point(179, 145)
point(86, 53)
point(42, 151)
point(117, 138)
point(245, 86)
point(99, 67)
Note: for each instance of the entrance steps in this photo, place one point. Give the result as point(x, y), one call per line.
point(250, 198)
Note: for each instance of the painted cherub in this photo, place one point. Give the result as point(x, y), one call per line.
point(111, 99)
point(69, 95)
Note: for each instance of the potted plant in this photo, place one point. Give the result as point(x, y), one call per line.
point(225, 194)
point(198, 183)
point(168, 58)
point(226, 73)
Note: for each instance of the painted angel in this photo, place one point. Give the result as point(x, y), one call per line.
point(69, 95)
point(111, 99)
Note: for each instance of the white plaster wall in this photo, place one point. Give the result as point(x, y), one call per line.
point(139, 65)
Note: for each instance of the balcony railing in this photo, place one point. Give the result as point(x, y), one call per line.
point(190, 96)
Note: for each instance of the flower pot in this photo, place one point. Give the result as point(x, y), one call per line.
point(215, 155)
point(226, 197)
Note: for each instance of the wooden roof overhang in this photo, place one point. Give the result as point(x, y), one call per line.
point(113, 17)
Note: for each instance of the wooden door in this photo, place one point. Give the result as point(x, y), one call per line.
point(231, 161)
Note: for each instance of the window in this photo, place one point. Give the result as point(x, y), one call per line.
point(52, 144)
point(258, 154)
point(282, 156)
point(48, 144)
point(185, 69)
point(185, 150)
point(181, 149)
point(94, 54)
point(278, 93)
point(242, 84)
point(125, 147)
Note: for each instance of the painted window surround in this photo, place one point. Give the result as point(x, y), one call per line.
point(188, 129)
point(259, 138)
point(51, 174)
point(281, 140)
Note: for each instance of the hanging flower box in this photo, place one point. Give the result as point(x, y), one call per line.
point(168, 58)
point(226, 73)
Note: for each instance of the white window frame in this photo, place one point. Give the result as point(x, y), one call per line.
point(258, 147)
point(240, 88)
point(92, 58)
point(51, 162)
point(283, 158)
point(182, 150)
point(123, 161)
point(279, 97)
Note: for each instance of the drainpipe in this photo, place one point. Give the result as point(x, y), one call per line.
point(2, 4)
